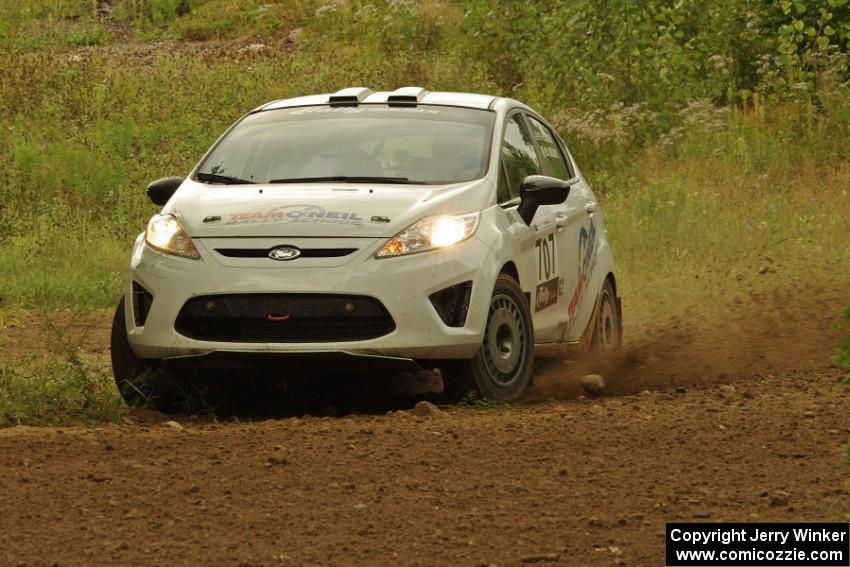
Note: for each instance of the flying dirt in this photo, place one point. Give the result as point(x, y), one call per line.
point(764, 332)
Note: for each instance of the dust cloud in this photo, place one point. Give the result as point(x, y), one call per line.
point(761, 332)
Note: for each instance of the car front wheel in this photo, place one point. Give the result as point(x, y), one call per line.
point(141, 382)
point(503, 365)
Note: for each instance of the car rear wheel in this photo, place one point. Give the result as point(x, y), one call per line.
point(607, 331)
point(141, 382)
point(503, 365)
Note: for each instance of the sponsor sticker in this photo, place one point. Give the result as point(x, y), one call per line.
point(547, 294)
point(586, 265)
point(295, 213)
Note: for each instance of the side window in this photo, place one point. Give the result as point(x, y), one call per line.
point(518, 155)
point(553, 160)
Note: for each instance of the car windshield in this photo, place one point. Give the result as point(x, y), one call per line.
point(362, 144)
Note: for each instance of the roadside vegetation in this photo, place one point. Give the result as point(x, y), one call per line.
point(60, 384)
point(842, 353)
point(716, 134)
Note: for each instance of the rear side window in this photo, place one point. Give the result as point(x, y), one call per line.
point(554, 162)
point(518, 155)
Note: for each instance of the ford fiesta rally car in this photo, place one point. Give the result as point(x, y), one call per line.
point(447, 230)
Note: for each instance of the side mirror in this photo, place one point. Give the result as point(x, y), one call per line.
point(161, 190)
point(537, 190)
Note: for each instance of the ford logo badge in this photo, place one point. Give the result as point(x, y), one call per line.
point(283, 253)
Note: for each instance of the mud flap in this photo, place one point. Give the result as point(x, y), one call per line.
point(587, 338)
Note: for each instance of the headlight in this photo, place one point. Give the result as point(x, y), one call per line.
point(165, 234)
point(430, 233)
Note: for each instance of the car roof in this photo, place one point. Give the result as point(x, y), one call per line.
point(405, 96)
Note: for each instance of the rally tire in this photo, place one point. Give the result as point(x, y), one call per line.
point(607, 327)
point(458, 383)
point(141, 382)
point(502, 367)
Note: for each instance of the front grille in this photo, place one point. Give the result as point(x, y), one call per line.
point(305, 252)
point(284, 318)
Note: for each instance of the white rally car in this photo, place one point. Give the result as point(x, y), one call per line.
point(449, 230)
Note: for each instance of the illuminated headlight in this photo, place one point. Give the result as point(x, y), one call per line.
point(429, 234)
point(166, 234)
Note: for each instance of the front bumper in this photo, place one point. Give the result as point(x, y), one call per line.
point(402, 285)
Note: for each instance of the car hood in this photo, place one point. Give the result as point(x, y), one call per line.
point(317, 209)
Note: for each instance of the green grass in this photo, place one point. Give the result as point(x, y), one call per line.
point(75, 261)
point(705, 220)
point(474, 401)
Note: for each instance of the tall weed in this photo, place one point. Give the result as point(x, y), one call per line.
point(57, 387)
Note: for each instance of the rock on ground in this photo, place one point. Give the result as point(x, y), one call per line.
point(593, 384)
point(426, 409)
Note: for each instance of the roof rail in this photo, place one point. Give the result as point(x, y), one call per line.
point(352, 96)
point(406, 96)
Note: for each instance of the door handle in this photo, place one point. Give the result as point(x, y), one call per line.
point(590, 207)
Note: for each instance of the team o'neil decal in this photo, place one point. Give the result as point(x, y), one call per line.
point(552, 285)
point(295, 213)
point(586, 265)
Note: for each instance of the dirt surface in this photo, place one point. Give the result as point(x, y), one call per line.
point(583, 482)
point(730, 413)
point(26, 332)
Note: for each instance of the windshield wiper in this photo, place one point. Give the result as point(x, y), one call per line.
point(223, 179)
point(348, 179)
